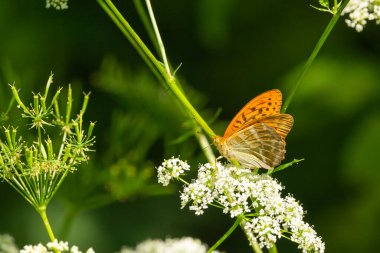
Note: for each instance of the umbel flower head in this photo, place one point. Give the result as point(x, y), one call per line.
point(36, 166)
point(256, 199)
point(53, 247)
point(359, 12)
point(169, 245)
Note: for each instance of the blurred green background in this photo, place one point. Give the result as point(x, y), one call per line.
point(230, 51)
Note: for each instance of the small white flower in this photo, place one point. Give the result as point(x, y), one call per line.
point(307, 239)
point(39, 248)
point(75, 249)
point(57, 4)
point(264, 230)
point(58, 246)
point(170, 169)
point(360, 12)
point(199, 195)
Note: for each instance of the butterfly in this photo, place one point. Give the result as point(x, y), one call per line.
point(256, 135)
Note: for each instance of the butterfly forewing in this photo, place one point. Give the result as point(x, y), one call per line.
point(257, 146)
point(267, 103)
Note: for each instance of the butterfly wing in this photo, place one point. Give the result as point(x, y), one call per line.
point(267, 103)
point(257, 146)
point(281, 123)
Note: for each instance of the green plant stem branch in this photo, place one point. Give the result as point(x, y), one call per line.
point(226, 235)
point(42, 211)
point(158, 36)
point(147, 24)
point(313, 55)
point(133, 38)
point(156, 66)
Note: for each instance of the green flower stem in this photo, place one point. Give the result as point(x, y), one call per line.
point(42, 211)
point(314, 54)
point(226, 235)
point(156, 66)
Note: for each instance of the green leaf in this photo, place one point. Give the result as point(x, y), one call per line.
point(284, 166)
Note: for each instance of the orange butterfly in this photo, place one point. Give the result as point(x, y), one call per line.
point(256, 135)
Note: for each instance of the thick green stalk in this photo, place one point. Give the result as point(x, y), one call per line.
point(42, 211)
point(314, 54)
point(226, 235)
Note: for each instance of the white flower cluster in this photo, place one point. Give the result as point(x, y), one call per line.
point(53, 247)
point(257, 198)
point(174, 245)
point(170, 169)
point(57, 4)
point(362, 11)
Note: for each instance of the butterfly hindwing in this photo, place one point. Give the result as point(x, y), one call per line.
point(265, 104)
point(257, 146)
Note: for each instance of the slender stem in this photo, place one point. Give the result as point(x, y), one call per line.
point(205, 145)
point(147, 24)
point(158, 36)
point(42, 211)
point(314, 54)
point(226, 235)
